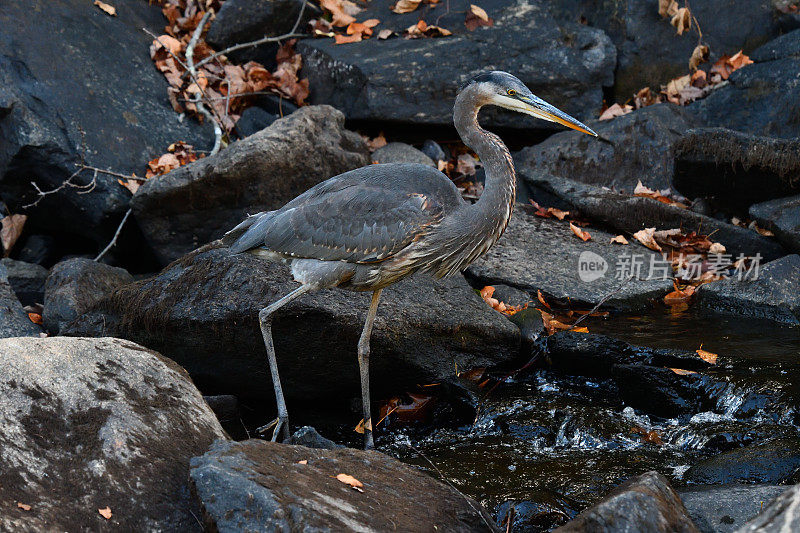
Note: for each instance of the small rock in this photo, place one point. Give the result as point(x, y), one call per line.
point(74, 285)
point(263, 486)
point(544, 254)
point(253, 120)
point(202, 311)
point(14, 322)
point(27, 280)
point(723, 509)
point(782, 216)
point(308, 437)
point(775, 295)
point(546, 512)
point(401, 153)
point(640, 150)
point(199, 202)
point(787, 45)
point(780, 516)
point(772, 462)
point(39, 250)
point(645, 504)
point(93, 423)
point(433, 150)
point(736, 169)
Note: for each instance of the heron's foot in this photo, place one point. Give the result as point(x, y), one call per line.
point(280, 427)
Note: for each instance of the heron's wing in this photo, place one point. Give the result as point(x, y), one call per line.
point(360, 224)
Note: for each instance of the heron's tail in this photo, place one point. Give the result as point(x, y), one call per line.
point(240, 239)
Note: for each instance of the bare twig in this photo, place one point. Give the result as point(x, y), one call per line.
point(116, 236)
point(86, 188)
point(111, 173)
point(193, 72)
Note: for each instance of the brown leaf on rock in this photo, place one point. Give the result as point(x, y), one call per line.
point(342, 11)
point(699, 79)
point(131, 185)
point(682, 372)
point(699, 55)
point(422, 29)
point(619, 239)
point(477, 17)
point(708, 357)
point(385, 33)
point(682, 20)
point(105, 513)
point(615, 110)
point(406, 6)
point(23, 506)
point(347, 39)
point(167, 42)
point(36, 318)
point(581, 234)
point(350, 480)
point(11, 230)
point(641, 190)
point(645, 97)
point(466, 165)
point(646, 237)
point(108, 9)
point(667, 8)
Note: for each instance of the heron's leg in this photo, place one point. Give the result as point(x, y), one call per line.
point(265, 320)
point(363, 366)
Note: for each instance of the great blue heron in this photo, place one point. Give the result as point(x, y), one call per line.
point(368, 228)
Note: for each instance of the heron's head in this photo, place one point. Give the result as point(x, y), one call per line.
point(504, 90)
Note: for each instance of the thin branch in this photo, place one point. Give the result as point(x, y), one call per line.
point(111, 173)
point(299, 17)
point(193, 72)
point(86, 188)
point(235, 47)
point(116, 236)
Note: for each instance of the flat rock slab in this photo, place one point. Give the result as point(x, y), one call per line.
point(629, 214)
point(782, 216)
point(415, 81)
point(640, 150)
point(544, 254)
point(199, 202)
point(775, 295)
point(724, 509)
point(87, 424)
point(780, 516)
point(261, 486)
point(776, 461)
point(202, 312)
point(645, 504)
point(14, 321)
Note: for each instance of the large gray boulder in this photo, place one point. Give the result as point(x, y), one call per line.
point(734, 169)
point(415, 81)
point(202, 312)
point(87, 424)
point(774, 295)
point(196, 203)
point(629, 214)
point(14, 322)
point(262, 486)
point(538, 254)
point(76, 284)
point(725, 508)
point(640, 150)
point(645, 504)
point(69, 98)
point(782, 216)
point(776, 461)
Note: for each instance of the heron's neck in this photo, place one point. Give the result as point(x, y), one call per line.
point(500, 188)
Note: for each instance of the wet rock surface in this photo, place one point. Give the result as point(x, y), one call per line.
point(105, 423)
point(773, 295)
point(645, 503)
point(781, 216)
point(374, 80)
point(202, 312)
point(629, 214)
point(199, 202)
point(54, 114)
point(14, 322)
point(735, 169)
point(74, 286)
point(544, 254)
point(640, 150)
point(781, 515)
point(773, 462)
point(401, 153)
point(26, 280)
point(257, 485)
point(725, 508)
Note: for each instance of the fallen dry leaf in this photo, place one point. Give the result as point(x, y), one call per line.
point(477, 17)
point(661, 196)
point(11, 230)
point(303, 462)
point(646, 237)
point(24, 506)
point(342, 11)
point(615, 110)
point(708, 357)
point(374, 144)
point(422, 29)
point(36, 318)
point(667, 8)
point(406, 6)
point(716, 248)
point(682, 20)
point(385, 33)
point(682, 372)
point(699, 55)
point(105, 513)
point(678, 296)
point(346, 39)
point(107, 8)
point(581, 234)
point(350, 480)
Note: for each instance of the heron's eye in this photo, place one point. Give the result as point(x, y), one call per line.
point(511, 92)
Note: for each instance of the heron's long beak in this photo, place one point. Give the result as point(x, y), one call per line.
point(538, 108)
